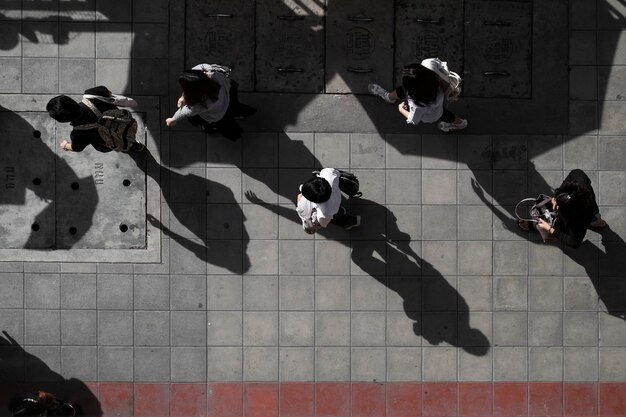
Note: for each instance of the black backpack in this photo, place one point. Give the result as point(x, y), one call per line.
point(348, 183)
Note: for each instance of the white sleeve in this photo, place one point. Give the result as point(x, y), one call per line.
point(415, 113)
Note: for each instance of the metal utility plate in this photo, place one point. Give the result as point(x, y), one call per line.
point(498, 49)
point(222, 32)
point(427, 29)
point(359, 45)
point(290, 46)
point(76, 207)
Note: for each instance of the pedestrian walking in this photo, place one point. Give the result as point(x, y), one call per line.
point(97, 121)
point(572, 209)
point(209, 100)
point(423, 91)
point(319, 203)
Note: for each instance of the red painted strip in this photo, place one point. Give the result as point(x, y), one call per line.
point(339, 399)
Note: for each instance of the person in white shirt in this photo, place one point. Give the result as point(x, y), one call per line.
point(209, 100)
point(423, 91)
point(319, 203)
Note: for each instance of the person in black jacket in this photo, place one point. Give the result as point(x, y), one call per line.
point(64, 109)
point(574, 203)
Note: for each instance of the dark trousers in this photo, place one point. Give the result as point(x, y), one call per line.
point(227, 125)
point(342, 218)
point(447, 115)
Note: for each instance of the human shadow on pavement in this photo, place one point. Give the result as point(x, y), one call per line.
point(603, 267)
point(31, 166)
point(189, 208)
point(439, 313)
point(21, 371)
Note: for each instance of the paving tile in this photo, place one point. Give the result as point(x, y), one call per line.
point(510, 328)
point(151, 292)
point(580, 399)
point(189, 328)
point(472, 367)
point(42, 290)
point(190, 221)
point(439, 399)
point(474, 186)
point(188, 364)
point(611, 46)
point(475, 331)
point(582, 47)
point(115, 292)
point(78, 327)
point(332, 149)
point(475, 399)
point(261, 150)
point(291, 260)
point(188, 400)
point(114, 73)
point(439, 187)
point(580, 328)
point(510, 258)
point(11, 77)
point(332, 399)
point(372, 184)
point(260, 328)
point(260, 222)
point(260, 364)
point(332, 364)
point(583, 117)
point(13, 45)
point(439, 258)
point(611, 112)
point(42, 327)
point(115, 328)
point(12, 322)
point(151, 328)
point(403, 364)
point(80, 40)
point(612, 367)
point(366, 293)
point(510, 364)
point(78, 291)
point(367, 150)
point(439, 222)
point(438, 327)
point(225, 328)
point(439, 152)
point(332, 329)
point(404, 293)
point(403, 328)
point(367, 329)
point(439, 293)
point(545, 364)
point(403, 186)
point(545, 329)
point(76, 75)
point(295, 150)
point(296, 364)
point(188, 256)
point(115, 364)
point(546, 152)
point(403, 151)
point(43, 363)
point(12, 295)
point(296, 328)
point(510, 399)
point(151, 399)
point(580, 364)
point(152, 364)
point(80, 362)
point(224, 364)
point(296, 292)
point(263, 256)
point(545, 293)
point(331, 257)
point(373, 230)
point(580, 152)
point(297, 399)
point(224, 292)
point(579, 294)
point(583, 82)
point(150, 40)
point(188, 292)
point(439, 364)
point(545, 399)
point(612, 400)
point(43, 40)
point(367, 364)
point(221, 185)
point(545, 260)
point(332, 293)
point(475, 223)
point(368, 399)
point(476, 292)
point(368, 258)
point(260, 292)
point(475, 258)
point(113, 40)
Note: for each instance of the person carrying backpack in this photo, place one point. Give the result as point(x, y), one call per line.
point(97, 121)
point(424, 89)
point(319, 202)
point(209, 100)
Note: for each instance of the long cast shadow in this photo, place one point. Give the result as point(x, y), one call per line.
point(439, 313)
point(21, 371)
point(195, 217)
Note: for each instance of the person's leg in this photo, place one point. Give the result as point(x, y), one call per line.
point(388, 96)
point(345, 220)
point(449, 122)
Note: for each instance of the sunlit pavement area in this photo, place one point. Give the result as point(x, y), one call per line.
point(182, 284)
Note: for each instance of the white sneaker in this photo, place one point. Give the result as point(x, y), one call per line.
point(450, 127)
point(377, 90)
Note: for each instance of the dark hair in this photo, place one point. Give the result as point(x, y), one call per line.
point(317, 190)
point(63, 109)
point(420, 83)
point(573, 200)
point(198, 87)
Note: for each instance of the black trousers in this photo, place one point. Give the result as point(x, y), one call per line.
point(342, 218)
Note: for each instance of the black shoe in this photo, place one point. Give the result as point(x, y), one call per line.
point(354, 222)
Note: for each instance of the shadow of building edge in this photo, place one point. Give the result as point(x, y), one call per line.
point(21, 371)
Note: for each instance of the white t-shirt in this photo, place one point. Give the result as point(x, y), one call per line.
point(321, 212)
point(211, 111)
point(426, 114)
